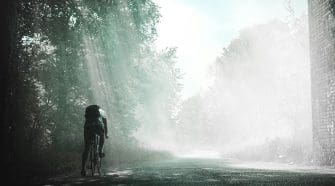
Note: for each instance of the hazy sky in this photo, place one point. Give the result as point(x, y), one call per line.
point(201, 28)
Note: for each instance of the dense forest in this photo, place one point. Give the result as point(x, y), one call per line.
point(65, 55)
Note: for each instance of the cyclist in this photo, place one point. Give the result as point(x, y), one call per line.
point(95, 123)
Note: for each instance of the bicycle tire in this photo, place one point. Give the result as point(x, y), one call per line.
point(92, 156)
point(98, 159)
point(95, 160)
point(99, 166)
point(91, 160)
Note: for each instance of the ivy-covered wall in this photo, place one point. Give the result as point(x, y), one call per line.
point(322, 50)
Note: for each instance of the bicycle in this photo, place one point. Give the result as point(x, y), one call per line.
point(95, 160)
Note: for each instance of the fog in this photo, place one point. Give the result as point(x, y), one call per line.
point(255, 104)
point(227, 81)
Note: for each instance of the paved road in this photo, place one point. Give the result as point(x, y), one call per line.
point(202, 172)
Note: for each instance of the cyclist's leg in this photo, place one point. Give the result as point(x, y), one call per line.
point(100, 131)
point(101, 142)
point(88, 134)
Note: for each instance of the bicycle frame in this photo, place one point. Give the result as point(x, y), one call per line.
point(95, 160)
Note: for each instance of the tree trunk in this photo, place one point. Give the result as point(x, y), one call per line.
point(8, 78)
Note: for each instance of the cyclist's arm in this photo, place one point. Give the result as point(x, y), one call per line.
point(104, 120)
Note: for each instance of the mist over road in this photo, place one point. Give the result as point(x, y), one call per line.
point(183, 171)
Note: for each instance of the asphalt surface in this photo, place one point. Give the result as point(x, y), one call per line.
point(202, 172)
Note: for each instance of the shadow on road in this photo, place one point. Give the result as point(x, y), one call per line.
point(198, 172)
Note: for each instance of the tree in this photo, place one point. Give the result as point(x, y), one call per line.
point(65, 55)
point(261, 90)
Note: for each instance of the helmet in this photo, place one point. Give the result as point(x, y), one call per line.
point(92, 111)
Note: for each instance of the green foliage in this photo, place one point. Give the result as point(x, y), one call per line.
point(76, 53)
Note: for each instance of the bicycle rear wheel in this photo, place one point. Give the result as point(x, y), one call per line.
point(95, 160)
point(91, 161)
point(93, 156)
point(98, 159)
point(99, 169)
